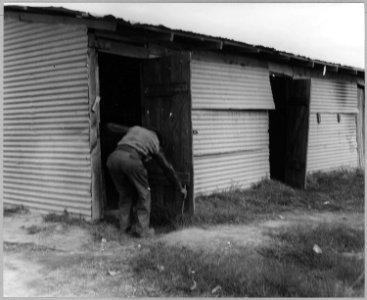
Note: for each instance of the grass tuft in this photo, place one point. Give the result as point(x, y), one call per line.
point(286, 268)
point(105, 230)
point(65, 218)
point(34, 229)
point(18, 209)
point(333, 191)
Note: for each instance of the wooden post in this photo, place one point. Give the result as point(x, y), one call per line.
point(97, 190)
point(361, 127)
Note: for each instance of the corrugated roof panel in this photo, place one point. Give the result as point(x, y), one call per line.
point(331, 144)
point(333, 96)
point(46, 117)
point(217, 85)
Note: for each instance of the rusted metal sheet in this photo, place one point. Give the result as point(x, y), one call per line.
point(231, 148)
point(332, 144)
point(218, 85)
point(46, 117)
point(333, 96)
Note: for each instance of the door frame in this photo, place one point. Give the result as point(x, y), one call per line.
point(98, 196)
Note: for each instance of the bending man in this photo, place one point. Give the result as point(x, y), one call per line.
point(130, 177)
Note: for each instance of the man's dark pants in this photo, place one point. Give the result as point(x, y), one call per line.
point(130, 178)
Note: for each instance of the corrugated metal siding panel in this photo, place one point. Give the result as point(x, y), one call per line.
point(333, 96)
point(230, 148)
point(46, 117)
point(224, 86)
point(219, 172)
point(331, 144)
point(229, 131)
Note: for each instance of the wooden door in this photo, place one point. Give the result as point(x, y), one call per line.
point(297, 124)
point(166, 106)
point(360, 126)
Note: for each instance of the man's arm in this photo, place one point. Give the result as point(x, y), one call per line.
point(170, 172)
point(116, 128)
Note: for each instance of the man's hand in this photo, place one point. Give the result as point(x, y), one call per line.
point(184, 192)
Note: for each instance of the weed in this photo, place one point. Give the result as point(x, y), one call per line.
point(64, 218)
point(337, 190)
point(12, 210)
point(105, 230)
point(33, 229)
point(287, 268)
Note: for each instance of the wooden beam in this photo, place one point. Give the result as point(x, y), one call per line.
point(238, 48)
point(332, 68)
point(302, 62)
point(94, 24)
point(118, 48)
point(97, 187)
point(198, 43)
point(144, 34)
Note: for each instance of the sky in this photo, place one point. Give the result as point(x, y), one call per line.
point(333, 32)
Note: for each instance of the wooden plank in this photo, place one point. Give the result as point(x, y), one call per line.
point(119, 48)
point(43, 18)
point(230, 59)
point(98, 194)
point(160, 179)
point(164, 90)
point(170, 113)
point(361, 127)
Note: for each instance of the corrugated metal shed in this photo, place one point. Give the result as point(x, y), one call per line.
point(332, 141)
point(333, 96)
point(218, 85)
point(46, 117)
point(223, 171)
point(230, 124)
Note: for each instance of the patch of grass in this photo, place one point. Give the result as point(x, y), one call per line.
point(105, 230)
point(33, 229)
point(337, 190)
point(296, 246)
point(340, 189)
point(65, 218)
point(287, 268)
point(12, 210)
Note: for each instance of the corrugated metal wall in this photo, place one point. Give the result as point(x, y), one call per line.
point(46, 117)
point(227, 86)
point(332, 96)
point(332, 144)
point(230, 125)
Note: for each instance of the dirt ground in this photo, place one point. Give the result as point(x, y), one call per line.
point(43, 263)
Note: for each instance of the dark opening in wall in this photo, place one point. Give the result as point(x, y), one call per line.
point(277, 127)
point(120, 103)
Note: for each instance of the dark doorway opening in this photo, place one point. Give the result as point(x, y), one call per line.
point(121, 104)
point(288, 129)
point(277, 127)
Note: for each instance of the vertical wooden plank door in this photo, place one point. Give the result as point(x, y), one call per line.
point(166, 106)
point(361, 126)
point(297, 124)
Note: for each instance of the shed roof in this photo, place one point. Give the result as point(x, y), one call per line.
point(174, 36)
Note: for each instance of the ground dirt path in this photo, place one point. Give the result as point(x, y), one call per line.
point(27, 257)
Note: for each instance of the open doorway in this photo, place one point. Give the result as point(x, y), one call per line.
point(119, 78)
point(277, 127)
point(288, 129)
